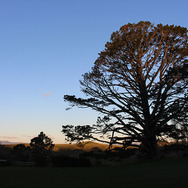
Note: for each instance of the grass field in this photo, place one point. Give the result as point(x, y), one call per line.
point(165, 173)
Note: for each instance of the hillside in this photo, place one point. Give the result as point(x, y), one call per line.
point(86, 146)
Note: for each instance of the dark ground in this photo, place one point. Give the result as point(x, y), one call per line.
point(163, 173)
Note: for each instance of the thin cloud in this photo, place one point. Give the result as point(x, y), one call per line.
point(9, 137)
point(47, 94)
point(27, 136)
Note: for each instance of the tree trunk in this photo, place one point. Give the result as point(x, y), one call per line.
point(149, 144)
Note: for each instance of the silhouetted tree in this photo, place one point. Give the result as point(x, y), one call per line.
point(20, 148)
point(181, 127)
point(41, 147)
point(4, 152)
point(21, 153)
point(139, 82)
point(41, 143)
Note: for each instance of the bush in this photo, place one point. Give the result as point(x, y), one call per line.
point(5, 152)
point(21, 153)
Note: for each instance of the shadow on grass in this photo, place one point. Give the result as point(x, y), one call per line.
point(164, 173)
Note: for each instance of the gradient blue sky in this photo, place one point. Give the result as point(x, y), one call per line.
point(45, 47)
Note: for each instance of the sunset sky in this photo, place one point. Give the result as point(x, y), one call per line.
point(45, 47)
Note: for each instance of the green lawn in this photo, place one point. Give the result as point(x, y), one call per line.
point(166, 173)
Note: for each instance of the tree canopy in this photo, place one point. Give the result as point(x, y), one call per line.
point(41, 144)
point(139, 84)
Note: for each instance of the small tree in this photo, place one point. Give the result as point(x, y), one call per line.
point(139, 83)
point(21, 153)
point(41, 144)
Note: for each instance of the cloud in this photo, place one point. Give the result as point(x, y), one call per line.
point(9, 137)
point(47, 94)
point(27, 136)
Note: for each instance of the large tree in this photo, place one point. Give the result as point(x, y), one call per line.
point(139, 84)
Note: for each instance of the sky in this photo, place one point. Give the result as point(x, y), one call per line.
point(46, 46)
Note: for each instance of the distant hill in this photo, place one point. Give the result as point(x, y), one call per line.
point(86, 146)
point(5, 142)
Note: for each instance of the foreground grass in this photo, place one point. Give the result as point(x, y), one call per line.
point(165, 173)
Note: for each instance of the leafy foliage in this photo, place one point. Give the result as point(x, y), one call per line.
point(42, 143)
point(21, 153)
